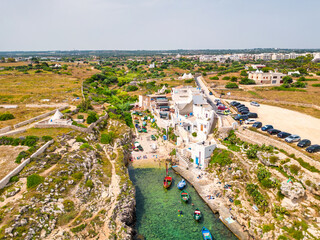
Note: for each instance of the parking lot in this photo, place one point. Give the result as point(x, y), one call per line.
point(293, 122)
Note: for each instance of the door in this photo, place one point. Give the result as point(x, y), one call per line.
point(197, 161)
point(201, 127)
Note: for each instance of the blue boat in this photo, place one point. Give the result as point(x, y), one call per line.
point(206, 234)
point(181, 184)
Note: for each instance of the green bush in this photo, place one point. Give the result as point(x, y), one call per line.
point(258, 198)
point(188, 81)
point(267, 228)
point(173, 152)
point(247, 81)
point(214, 78)
point(232, 85)
point(294, 169)
point(194, 134)
point(86, 146)
point(68, 205)
point(316, 85)
point(131, 88)
point(92, 117)
point(20, 156)
point(14, 179)
point(6, 116)
point(108, 138)
point(77, 175)
point(234, 79)
point(237, 202)
point(80, 116)
point(78, 228)
point(226, 78)
point(34, 180)
point(222, 157)
point(80, 139)
point(46, 138)
point(89, 183)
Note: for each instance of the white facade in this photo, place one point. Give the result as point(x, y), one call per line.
point(266, 77)
point(186, 76)
point(57, 119)
point(201, 153)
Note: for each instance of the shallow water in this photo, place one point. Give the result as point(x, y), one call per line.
point(157, 209)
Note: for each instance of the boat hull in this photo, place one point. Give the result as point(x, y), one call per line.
point(167, 182)
point(206, 234)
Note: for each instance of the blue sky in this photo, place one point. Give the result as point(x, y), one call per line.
point(158, 24)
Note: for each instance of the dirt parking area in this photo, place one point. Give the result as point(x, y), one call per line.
point(289, 121)
point(8, 155)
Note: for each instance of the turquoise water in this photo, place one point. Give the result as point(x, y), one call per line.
point(157, 209)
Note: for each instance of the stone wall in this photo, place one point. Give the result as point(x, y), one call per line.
point(38, 117)
point(257, 138)
point(80, 129)
point(12, 133)
point(5, 129)
point(4, 181)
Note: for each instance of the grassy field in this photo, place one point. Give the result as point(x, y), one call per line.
point(17, 87)
point(21, 114)
point(39, 132)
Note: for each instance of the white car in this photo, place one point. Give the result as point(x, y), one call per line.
point(249, 121)
point(255, 104)
point(292, 138)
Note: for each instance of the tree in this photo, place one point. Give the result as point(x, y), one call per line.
point(232, 85)
point(234, 79)
point(244, 73)
point(287, 80)
point(11, 60)
point(92, 118)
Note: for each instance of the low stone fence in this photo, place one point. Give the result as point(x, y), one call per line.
point(38, 117)
point(4, 181)
point(12, 133)
point(80, 129)
point(247, 99)
point(257, 138)
point(5, 129)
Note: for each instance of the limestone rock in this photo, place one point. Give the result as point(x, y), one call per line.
point(292, 190)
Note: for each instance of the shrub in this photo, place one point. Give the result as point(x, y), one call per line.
point(77, 175)
point(20, 156)
point(34, 180)
point(92, 118)
point(68, 205)
point(214, 78)
point(78, 228)
point(46, 138)
point(237, 202)
point(84, 106)
point(247, 81)
point(173, 152)
point(108, 138)
point(222, 157)
point(267, 228)
point(194, 134)
point(273, 159)
point(80, 139)
point(86, 146)
point(80, 116)
point(294, 169)
point(232, 85)
point(131, 88)
point(316, 85)
point(226, 78)
point(233, 79)
point(188, 81)
point(244, 73)
point(287, 79)
point(14, 179)
point(318, 73)
point(89, 183)
point(6, 116)
point(299, 84)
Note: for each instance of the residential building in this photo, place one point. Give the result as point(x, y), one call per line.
point(270, 77)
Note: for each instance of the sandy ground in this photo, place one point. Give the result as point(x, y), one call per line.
point(148, 157)
point(8, 155)
point(289, 121)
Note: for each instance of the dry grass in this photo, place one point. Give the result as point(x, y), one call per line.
point(21, 114)
point(39, 132)
point(8, 156)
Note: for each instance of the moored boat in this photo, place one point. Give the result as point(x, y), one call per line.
point(206, 234)
point(181, 184)
point(167, 181)
point(197, 215)
point(184, 196)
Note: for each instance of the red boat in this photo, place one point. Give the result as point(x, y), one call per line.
point(167, 179)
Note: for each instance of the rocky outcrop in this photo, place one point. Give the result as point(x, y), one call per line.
point(292, 190)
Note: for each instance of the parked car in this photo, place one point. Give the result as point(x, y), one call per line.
point(252, 115)
point(292, 138)
point(217, 100)
point(249, 121)
point(313, 148)
point(234, 103)
point(253, 103)
point(273, 131)
point(240, 106)
point(210, 93)
point(304, 143)
point(266, 127)
point(222, 107)
point(283, 134)
point(241, 117)
point(244, 112)
point(257, 125)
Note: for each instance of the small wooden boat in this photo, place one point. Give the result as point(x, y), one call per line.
point(167, 181)
point(184, 196)
point(181, 184)
point(197, 215)
point(206, 234)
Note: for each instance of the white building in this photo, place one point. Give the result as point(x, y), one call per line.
point(201, 153)
point(295, 72)
point(186, 76)
point(152, 65)
point(270, 77)
point(57, 119)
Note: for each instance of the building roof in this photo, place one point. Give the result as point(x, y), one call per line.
point(198, 99)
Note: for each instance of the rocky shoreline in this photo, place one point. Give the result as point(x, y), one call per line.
point(216, 205)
